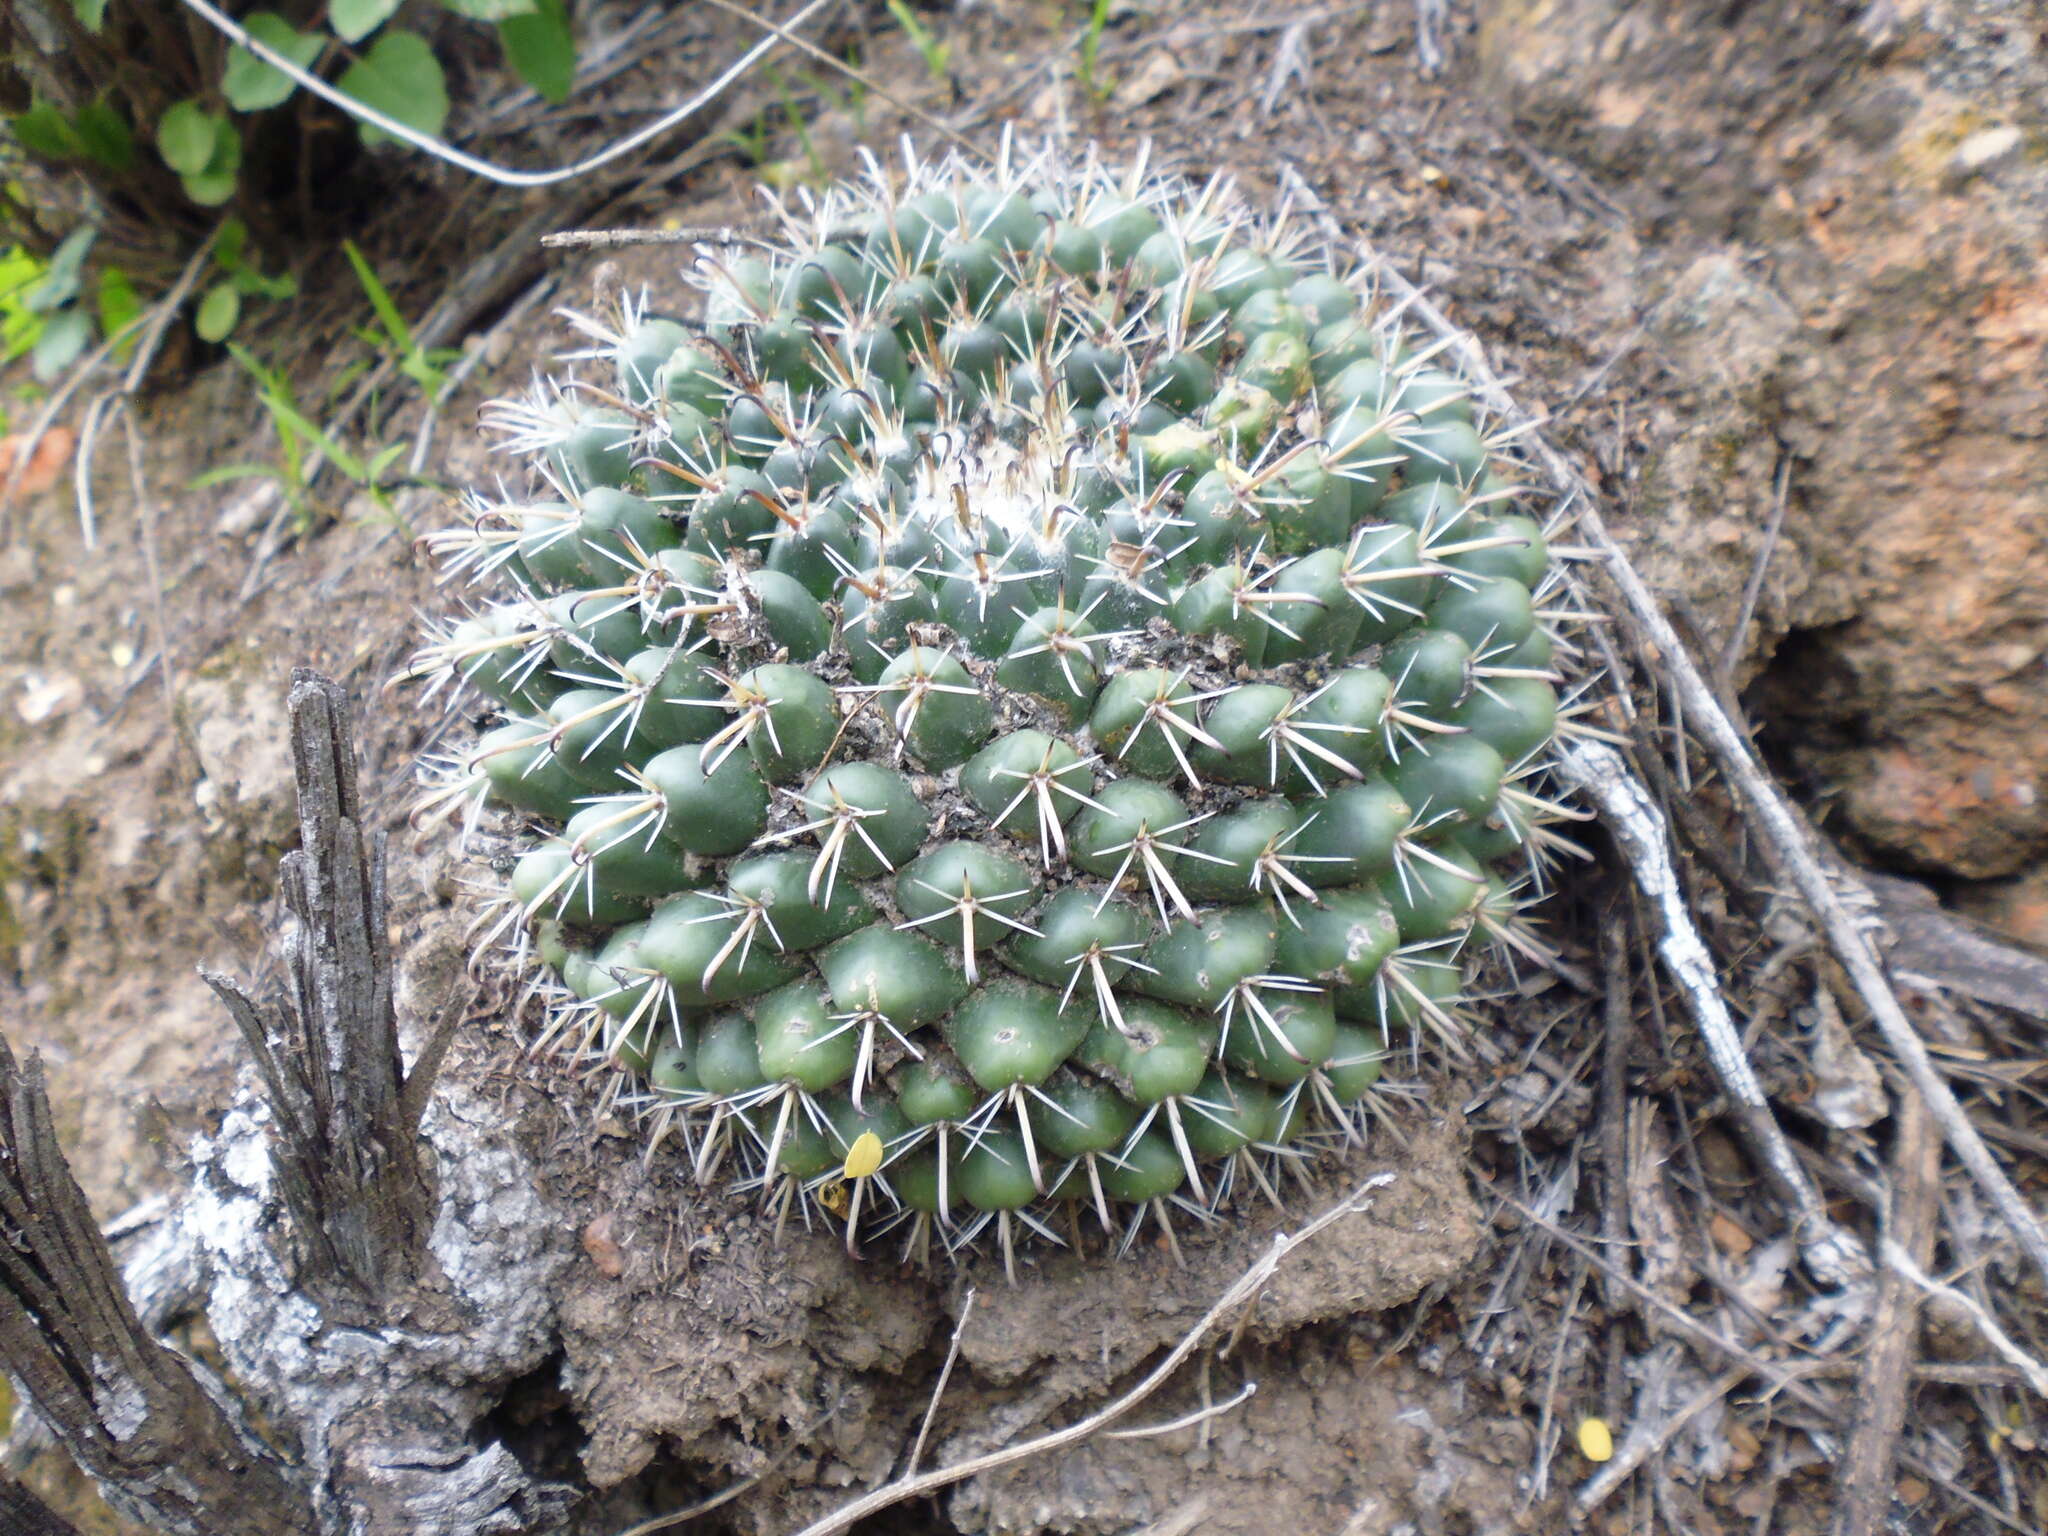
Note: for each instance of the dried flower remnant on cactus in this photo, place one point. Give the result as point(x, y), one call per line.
point(1019, 694)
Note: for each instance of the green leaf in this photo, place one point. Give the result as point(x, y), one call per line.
point(253, 284)
point(90, 13)
point(230, 243)
point(60, 282)
point(380, 298)
point(211, 189)
point(542, 49)
point(70, 254)
point(119, 306)
point(215, 184)
point(249, 84)
point(491, 10)
point(63, 339)
point(354, 20)
point(218, 312)
point(103, 134)
point(401, 78)
point(228, 472)
point(383, 461)
point(186, 136)
point(45, 131)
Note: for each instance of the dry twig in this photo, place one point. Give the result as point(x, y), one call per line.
point(939, 1387)
point(128, 1410)
point(1244, 1289)
point(1834, 1256)
point(1863, 1480)
point(1645, 1439)
point(23, 1514)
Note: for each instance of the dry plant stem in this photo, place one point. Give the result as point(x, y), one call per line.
point(939, 1387)
point(1244, 1289)
point(608, 239)
point(1791, 1383)
point(1851, 945)
point(330, 1063)
point(23, 1514)
point(1617, 1016)
point(1900, 1262)
point(441, 149)
point(369, 1311)
point(1954, 954)
point(161, 315)
point(1678, 1320)
point(865, 81)
point(1752, 589)
point(1645, 1440)
point(1638, 829)
point(129, 1411)
point(1863, 1479)
point(1773, 814)
point(1189, 1420)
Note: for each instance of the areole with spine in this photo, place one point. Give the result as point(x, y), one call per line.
point(1016, 696)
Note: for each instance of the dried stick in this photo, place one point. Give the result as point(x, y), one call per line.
point(939, 1388)
point(1754, 587)
point(1773, 814)
point(1863, 1479)
point(607, 239)
point(1638, 829)
point(23, 1514)
point(1647, 1439)
point(1900, 1262)
point(349, 1168)
point(129, 1411)
point(1242, 1290)
point(1954, 953)
point(833, 61)
point(1617, 1019)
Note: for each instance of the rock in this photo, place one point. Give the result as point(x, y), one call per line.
point(1891, 352)
point(1985, 151)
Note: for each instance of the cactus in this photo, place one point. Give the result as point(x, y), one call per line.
point(1015, 705)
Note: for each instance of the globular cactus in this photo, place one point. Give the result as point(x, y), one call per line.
point(1015, 695)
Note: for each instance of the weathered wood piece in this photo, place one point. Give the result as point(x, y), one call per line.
point(128, 1410)
point(375, 1262)
point(347, 1166)
point(23, 1514)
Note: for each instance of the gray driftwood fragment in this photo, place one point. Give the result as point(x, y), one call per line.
point(23, 1514)
point(375, 1263)
point(129, 1411)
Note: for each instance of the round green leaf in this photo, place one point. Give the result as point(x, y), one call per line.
point(218, 312)
point(401, 78)
point(354, 20)
point(542, 49)
point(211, 189)
point(249, 84)
point(63, 338)
point(186, 135)
point(490, 10)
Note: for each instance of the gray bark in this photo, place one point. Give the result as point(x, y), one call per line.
point(373, 1300)
point(129, 1411)
point(23, 1514)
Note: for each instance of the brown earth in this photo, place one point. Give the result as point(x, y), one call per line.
point(1727, 248)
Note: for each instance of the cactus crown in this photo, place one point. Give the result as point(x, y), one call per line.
point(1016, 705)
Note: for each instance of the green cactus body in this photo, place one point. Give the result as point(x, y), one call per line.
point(1072, 683)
